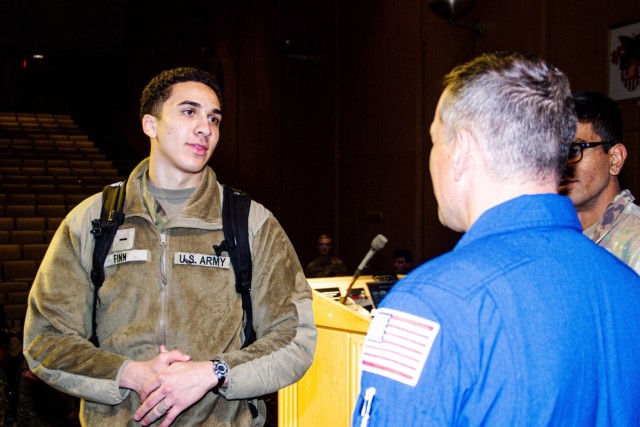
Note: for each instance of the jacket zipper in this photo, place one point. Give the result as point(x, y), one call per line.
point(163, 289)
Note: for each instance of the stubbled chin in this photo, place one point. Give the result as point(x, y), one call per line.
point(565, 187)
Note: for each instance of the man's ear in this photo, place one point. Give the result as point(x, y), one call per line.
point(617, 156)
point(462, 152)
point(150, 125)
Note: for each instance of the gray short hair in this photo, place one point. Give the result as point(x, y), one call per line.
point(519, 107)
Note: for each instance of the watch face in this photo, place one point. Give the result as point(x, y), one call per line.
point(220, 369)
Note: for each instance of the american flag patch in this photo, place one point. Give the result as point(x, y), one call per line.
point(397, 345)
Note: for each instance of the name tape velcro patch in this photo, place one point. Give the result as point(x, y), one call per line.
point(397, 345)
point(115, 258)
point(201, 260)
point(124, 239)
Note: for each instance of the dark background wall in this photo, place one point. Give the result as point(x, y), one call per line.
point(327, 103)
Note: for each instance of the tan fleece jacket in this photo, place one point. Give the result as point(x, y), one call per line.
point(151, 296)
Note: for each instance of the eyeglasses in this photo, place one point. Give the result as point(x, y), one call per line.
point(576, 149)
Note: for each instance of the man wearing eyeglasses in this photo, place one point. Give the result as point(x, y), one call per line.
point(607, 213)
point(525, 322)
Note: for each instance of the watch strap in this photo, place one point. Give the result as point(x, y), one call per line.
point(220, 373)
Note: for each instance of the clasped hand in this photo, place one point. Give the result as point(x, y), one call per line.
point(167, 384)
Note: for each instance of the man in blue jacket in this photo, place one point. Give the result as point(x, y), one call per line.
point(526, 322)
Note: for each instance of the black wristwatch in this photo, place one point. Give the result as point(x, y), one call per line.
point(220, 369)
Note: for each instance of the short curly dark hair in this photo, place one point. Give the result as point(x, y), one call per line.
point(159, 88)
point(602, 112)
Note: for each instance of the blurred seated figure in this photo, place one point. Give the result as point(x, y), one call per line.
point(10, 360)
point(402, 261)
point(41, 405)
point(326, 265)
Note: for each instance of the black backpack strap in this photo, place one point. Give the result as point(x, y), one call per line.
point(235, 225)
point(104, 231)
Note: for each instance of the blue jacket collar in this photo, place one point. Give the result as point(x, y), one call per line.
point(528, 211)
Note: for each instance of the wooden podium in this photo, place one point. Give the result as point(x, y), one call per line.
point(326, 395)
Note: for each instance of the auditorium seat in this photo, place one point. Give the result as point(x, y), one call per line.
point(67, 180)
point(34, 251)
point(23, 180)
point(98, 164)
point(19, 270)
point(13, 286)
point(9, 188)
point(48, 235)
point(53, 223)
point(71, 188)
point(5, 237)
point(10, 170)
point(39, 179)
point(74, 164)
point(31, 223)
point(64, 145)
point(95, 156)
point(27, 236)
point(9, 161)
point(44, 188)
point(58, 171)
point(40, 163)
point(15, 314)
point(52, 210)
point(107, 171)
point(20, 210)
point(10, 252)
point(17, 297)
point(7, 223)
point(25, 151)
point(48, 152)
point(83, 172)
point(22, 199)
point(34, 170)
point(88, 150)
point(51, 199)
point(75, 199)
point(42, 142)
point(70, 154)
point(50, 126)
point(94, 180)
point(58, 163)
point(93, 189)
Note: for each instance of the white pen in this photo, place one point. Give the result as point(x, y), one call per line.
point(366, 406)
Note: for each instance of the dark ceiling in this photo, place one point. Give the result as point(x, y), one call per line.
point(88, 58)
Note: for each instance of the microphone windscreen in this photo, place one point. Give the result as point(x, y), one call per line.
point(378, 242)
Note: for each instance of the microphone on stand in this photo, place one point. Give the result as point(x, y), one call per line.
point(376, 244)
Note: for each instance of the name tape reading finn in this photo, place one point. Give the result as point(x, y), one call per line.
point(126, 256)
